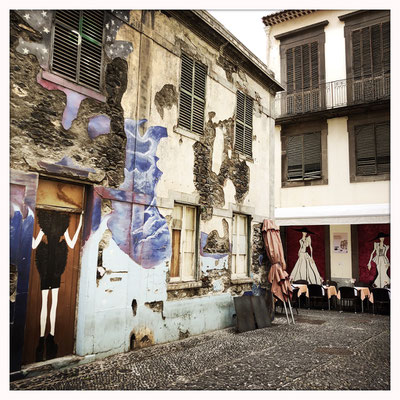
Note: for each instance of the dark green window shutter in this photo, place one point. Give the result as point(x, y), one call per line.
point(312, 155)
point(294, 153)
point(244, 124)
point(303, 154)
point(371, 50)
point(192, 94)
point(382, 132)
point(365, 150)
point(78, 46)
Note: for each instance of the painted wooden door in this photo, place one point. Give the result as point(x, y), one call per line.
point(54, 272)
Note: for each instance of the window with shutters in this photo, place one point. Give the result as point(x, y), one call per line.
point(192, 95)
point(244, 124)
point(240, 245)
point(304, 157)
point(367, 34)
point(78, 46)
point(183, 266)
point(369, 146)
point(372, 148)
point(371, 62)
point(302, 78)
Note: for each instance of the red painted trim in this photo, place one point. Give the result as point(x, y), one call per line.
point(73, 86)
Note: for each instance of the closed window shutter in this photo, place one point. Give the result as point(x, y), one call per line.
point(192, 94)
point(386, 46)
point(312, 155)
point(371, 50)
point(200, 73)
point(294, 152)
point(382, 133)
point(77, 46)
point(66, 44)
point(304, 156)
point(244, 124)
point(365, 150)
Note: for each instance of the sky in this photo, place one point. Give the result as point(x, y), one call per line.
point(252, 33)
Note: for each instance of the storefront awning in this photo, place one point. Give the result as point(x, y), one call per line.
point(333, 215)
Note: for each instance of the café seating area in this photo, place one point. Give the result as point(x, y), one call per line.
point(357, 297)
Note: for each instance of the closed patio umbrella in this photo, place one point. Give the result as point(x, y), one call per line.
point(278, 277)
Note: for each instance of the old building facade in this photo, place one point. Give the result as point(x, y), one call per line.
point(332, 139)
point(142, 157)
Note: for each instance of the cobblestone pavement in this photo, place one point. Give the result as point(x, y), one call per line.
point(323, 351)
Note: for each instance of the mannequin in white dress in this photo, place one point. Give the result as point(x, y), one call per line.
point(305, 267)
point(382, 262)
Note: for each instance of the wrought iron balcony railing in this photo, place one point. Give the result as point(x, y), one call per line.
point(334, 94)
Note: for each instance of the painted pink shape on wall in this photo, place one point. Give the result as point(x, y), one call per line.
point(74, 100)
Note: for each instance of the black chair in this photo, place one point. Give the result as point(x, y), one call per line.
point(315, 293)
point(361, 284)
point(301, 282)
point(348, 297)
point(381, 298)
point(295, 301)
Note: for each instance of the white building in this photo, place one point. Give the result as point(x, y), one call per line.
point(332, 135)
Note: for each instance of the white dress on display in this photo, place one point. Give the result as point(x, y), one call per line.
point(305, 267)
point(382, 265)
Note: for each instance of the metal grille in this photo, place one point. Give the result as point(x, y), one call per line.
point(78, 46)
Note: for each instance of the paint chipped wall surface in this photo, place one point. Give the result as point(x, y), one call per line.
point(125, 145)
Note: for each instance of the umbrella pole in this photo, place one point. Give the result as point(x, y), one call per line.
point(291, 311)
point(287, 316)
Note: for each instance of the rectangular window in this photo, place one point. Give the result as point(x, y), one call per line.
point(372, 143)
point(371, 50)
point(184, 243)
point(78, 46)
point(240, 245)
point(244, 124)
point(304, 157)
point(192, 95)
point(302, 77)
point(371, 62)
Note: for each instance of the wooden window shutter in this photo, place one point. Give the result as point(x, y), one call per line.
point(366, 51)
point(386, 46)
point(192, 94)
point(312, 155)
point(382, 132)
point(314, 64)
point(244, 124)
point(304, 156)
point(365, 150)
point(78, 46)
point(290, 70)
point(294, 152)
point(306, 66)
point(356, 42)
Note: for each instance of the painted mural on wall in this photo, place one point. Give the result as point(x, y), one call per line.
point(374, 254)
point(305, 267)
point(140, 230)
point(51, 246)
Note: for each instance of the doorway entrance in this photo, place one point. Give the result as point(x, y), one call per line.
point(55, 261)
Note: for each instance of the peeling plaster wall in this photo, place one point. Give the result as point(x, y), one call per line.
point(140, 163)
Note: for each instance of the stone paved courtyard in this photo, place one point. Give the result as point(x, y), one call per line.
point(323, 351)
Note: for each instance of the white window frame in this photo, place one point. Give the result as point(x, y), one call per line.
point(194, 276)
point(235, 241)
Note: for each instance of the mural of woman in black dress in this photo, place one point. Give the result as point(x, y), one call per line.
point(52, 244)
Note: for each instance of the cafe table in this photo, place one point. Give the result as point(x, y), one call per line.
point(365, 293)
point(302, 289)
point(330, 291)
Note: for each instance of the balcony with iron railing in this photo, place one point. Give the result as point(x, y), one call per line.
point(333, 95)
